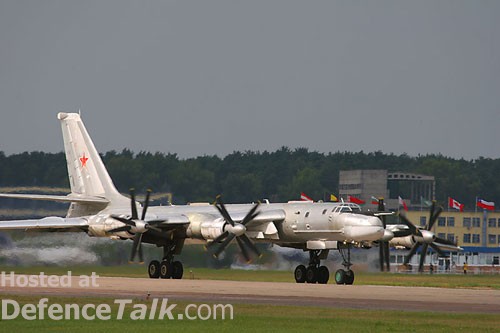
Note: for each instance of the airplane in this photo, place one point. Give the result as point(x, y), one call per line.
point(409, 236)
point(98, 209)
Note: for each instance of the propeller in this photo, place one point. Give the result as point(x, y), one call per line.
point(234, 230)
point(425, 237)
point(383, 245)
point(136, 226)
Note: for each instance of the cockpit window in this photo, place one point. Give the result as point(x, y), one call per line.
point(347, 208)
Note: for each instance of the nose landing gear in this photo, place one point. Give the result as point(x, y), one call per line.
point(345, 276)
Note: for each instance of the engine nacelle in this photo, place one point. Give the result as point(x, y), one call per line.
point(388, 235)
point(402, 241)
point(427, 237)
point(212, 229)
point(203, 226)
point(99, 226)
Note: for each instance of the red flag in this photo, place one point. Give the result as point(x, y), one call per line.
point(488, 205)
point(452, 203)
point(403, 203)
point(304, 197)
point(355, 200)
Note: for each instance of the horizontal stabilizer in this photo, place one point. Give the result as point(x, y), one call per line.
point(47, 223)
point(59, 198)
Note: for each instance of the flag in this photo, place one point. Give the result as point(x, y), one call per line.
point(355, 200)
point(488, 205)
point(403, 203)
point(452, 203)
point(333, 198)
point(304, 197)
point(374, 200)
point(425, 202)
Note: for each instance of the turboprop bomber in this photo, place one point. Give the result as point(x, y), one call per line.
point(98, 209)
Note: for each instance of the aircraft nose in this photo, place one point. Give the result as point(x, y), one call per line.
point(375, 221)
point(364, 228)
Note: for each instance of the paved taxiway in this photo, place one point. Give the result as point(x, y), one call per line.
point(233, 292)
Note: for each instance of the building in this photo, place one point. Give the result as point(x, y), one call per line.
point(477, 232)
point(365, 184)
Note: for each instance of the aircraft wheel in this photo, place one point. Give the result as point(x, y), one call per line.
point(340, 276)
point(323, 275)
point(300, 274)
point(154, 269)
point(349, 277)
point(311, 274)
point(177, 270)
point(166, 269)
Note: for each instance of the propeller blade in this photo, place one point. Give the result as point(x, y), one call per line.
point(249, 244)
point(381, 206)
point(402, 233)
point(411, 254)
point(381, 255)
point(438, 250)
point(218, 239)
point(133, 205)
point(155, 222)
point(123, 220)
point(223, 245)
point(124, 228)
point(423, 254)
point(146, 204)
point(137, 242)
point(243, 249)
point(435, 217)
point(141, 258)
point(444, 241)
point(250, 216)
point(413, 228)
point(387, 256)
point(223, 211)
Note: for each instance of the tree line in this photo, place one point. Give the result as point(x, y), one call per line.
point(249, 176)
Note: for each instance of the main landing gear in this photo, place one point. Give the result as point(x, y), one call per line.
point(167, 268)
point(314, 273)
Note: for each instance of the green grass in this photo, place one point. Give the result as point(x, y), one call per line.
point(362, 278)
point(252, 318)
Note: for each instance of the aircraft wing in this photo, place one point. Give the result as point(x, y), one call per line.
point(169, 221)
point(51, 223)
point(263, 217)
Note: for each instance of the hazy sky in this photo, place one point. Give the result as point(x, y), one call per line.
point(211, 77)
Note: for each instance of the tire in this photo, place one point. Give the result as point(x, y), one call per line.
point(166, 269)
point(349, 277)
point(323, 275)
point(178, 270)
point(300, 274)
point(311, 274)
point(340, 276)
point(154, 269)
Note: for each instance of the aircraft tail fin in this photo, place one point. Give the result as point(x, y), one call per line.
point(88, 176)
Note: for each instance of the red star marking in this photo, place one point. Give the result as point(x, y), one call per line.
point(84, 160)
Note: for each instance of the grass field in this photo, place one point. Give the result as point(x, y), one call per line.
point(256, 318)
point(362, 278)
point(253, 318)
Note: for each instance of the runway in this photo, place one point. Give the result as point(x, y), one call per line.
point(235, 292)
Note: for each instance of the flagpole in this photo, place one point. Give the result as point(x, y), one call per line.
point(475, 205)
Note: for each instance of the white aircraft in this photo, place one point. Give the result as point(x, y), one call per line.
point(98, 209)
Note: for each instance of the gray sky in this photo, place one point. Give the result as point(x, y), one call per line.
point(211, 77)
